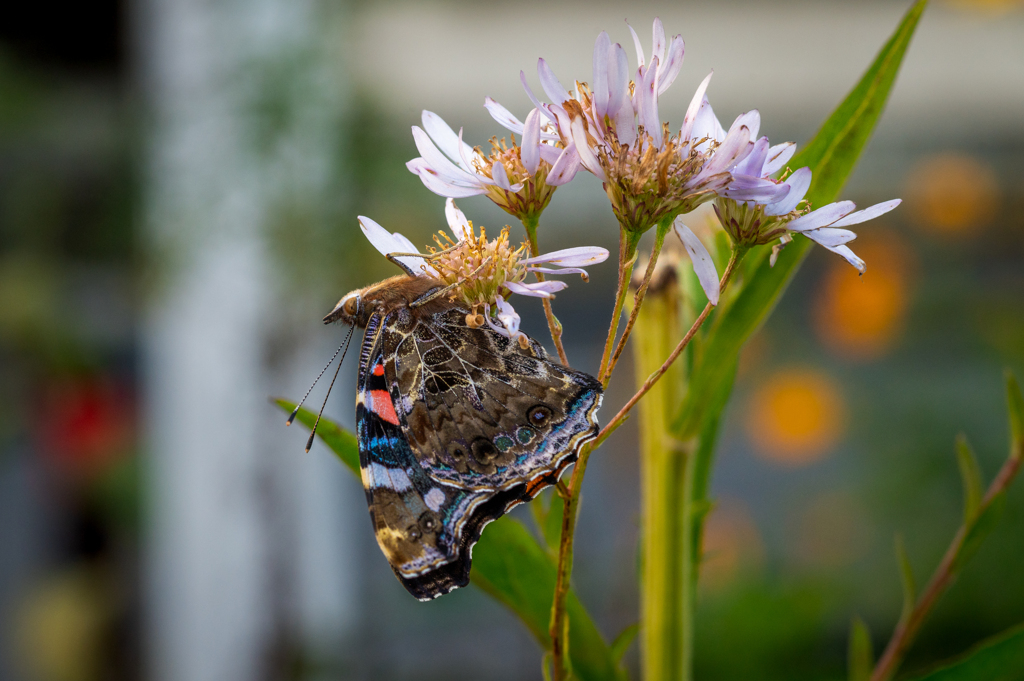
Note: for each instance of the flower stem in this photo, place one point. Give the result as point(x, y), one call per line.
point(628, 242)
point(638, 298)
point(558, 628)
point(554, 326)
point(945, 573)
point(617, 420)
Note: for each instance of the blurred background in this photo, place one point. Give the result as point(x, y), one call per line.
point(179, 182)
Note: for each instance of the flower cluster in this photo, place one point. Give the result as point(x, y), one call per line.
point(652, 174)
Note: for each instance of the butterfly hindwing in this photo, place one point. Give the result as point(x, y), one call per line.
point(483, 412)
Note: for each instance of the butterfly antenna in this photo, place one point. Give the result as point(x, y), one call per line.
point(319, 376)
point(309, 442)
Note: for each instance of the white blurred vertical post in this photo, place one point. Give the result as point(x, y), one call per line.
point(243, 98)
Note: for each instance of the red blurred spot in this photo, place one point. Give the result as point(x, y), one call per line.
point(83, 425)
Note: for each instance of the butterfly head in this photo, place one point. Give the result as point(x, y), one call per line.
point(351, 309)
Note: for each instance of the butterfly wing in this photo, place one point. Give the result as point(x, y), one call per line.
point(481, 412)
point(425, 529)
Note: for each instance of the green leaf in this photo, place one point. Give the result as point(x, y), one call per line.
point(907, 579)
point(511, 566)
point(831, 156)
point(1000, 658)
point(622, 642)
point(337, 439)
point(1015, 401)
point(970, 473)
point(860, 658)
point(508, 564)
point(979, 530)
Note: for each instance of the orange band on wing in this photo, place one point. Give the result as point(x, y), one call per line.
point(381, 405)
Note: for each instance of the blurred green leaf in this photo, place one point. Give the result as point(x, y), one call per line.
point(1000, 658)
point(979, 530)
point(861, 659)
point(1015, 401)
point(831, 155)
point(510, 565)
point(622, 642)
point(339, 440)
point(970, 473)
point(907, 579)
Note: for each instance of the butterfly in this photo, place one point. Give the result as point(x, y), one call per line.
point(456, 424)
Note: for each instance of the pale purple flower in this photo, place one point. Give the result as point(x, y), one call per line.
point(514, 176)
point(703, 265)
point(487, 271)
point(750, 222)
point(615, 132)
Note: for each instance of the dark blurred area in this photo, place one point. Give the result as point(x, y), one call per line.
point(179, 182)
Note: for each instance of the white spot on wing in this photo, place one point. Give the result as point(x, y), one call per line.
point(391, 478)
point(434, 498)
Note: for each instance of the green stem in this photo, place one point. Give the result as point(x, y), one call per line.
point(662, 464)
point(554, 326)
point(942, 578)
point(638, 298)
point(628, 242)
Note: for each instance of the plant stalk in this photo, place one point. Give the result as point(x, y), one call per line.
point(628, 242)
point(662, 464)
point(942, 578)
point(554, 326)
point(641, 292)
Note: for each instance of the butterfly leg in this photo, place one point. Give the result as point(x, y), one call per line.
point(437, 293)
point(393, 257)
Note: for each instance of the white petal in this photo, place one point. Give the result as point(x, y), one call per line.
point(530, 149)
point(672, 65)
point(639, 49)
point(823, 217)
point(695, 104)
point(830, 237)
point(552, 88)
point(851, 257)
point(536, 289)
point(778, 157)
point(549, 152)
point(754, 161)
point(625, 124)
point(386, 242)
point(499, 176)
point(533, 98)
point(571, 257)
point(503, 116)
point(457, 221)
point(703, 265)
point(602, 49)
point(868, 213)
point(443, 167)
point(799, 182)
point(560, 270)
point(658, 41)
point(618, 81)
point(587, 156)
point(446, 139)
point(706, 126)
point(508, 316)
point(565, 168)
point(432, 181)
point(648, 98)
